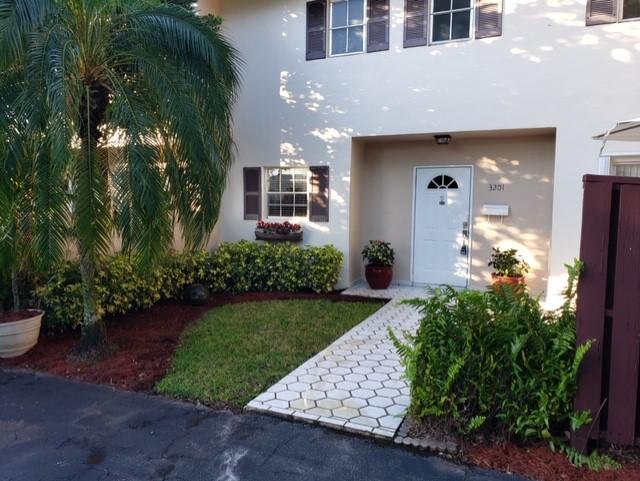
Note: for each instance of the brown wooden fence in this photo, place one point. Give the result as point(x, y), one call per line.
point(609, 310)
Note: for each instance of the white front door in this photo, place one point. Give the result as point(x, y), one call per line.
point(442, 226)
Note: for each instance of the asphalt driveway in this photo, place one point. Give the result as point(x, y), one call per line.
point(56, 430)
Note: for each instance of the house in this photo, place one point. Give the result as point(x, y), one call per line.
point(446, 127)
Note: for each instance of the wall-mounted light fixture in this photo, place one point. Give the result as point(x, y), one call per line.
point(443, 139)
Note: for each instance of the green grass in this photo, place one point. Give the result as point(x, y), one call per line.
point(237, 351)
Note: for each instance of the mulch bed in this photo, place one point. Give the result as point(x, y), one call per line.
point(144, 342)
point(539, 462)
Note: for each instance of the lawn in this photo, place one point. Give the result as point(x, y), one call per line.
point(237, 351)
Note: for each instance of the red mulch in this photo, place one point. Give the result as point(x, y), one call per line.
point(144, 343)
point(13, 316)
point(539, 462)
point(146, 340)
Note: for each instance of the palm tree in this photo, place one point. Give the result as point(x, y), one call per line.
point(150, 77)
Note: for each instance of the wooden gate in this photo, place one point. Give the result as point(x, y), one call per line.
point(608, 310)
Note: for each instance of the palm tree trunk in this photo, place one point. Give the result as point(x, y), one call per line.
point(93, 338)
point(15, 290)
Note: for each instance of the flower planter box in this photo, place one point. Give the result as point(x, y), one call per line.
point(18, 337)
point(278, 237)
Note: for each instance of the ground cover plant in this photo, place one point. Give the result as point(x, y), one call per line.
point(235, 352)
point(496, 362)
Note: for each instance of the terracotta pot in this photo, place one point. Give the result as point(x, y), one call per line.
point(16, 338)
point(516, 283)
point(379, 277)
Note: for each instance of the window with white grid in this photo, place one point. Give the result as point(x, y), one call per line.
point(451, 20)
point(287, 192)
point(626, 166)
point(348, 18)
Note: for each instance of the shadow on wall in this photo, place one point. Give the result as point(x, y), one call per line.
point(317, 108)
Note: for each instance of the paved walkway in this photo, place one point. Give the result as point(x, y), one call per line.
point(357, 383)
point(57, 430)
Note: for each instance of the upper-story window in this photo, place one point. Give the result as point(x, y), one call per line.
point(347, 23)
point(451, 20)
point(630, 9)
point(342, 27)
point(611, 11)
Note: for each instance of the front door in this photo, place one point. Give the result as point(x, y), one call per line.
point(441, 243)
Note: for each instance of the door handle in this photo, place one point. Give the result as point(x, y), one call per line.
point(464, 250)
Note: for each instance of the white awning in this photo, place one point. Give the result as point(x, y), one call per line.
point(625, 131)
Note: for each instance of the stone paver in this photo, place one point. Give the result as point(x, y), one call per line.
point(357, 383)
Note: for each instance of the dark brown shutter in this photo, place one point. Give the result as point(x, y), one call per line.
point(319, 199)
point(378, 26)
point(252, 193)
point(488, 18)
point(602, 11)
point(316, 29)
point(415, 23)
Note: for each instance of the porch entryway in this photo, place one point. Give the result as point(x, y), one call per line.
point(444, 207)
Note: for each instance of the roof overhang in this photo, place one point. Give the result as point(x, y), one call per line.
point(625, 131)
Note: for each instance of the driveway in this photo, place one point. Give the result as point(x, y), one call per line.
point(52, 429)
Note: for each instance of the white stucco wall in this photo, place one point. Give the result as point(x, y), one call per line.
point(547, 70)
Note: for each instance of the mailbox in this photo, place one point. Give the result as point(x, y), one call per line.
point(498, 210)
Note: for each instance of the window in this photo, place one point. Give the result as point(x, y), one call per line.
point(630, 9)
point(451, 20)
point(600, 12)
point(442, 182)
point(347, 26)
point(627, 166)
point(287, 192)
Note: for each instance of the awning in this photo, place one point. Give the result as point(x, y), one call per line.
point(625, 131)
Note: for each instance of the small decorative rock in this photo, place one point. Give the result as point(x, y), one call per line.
point(196, 295)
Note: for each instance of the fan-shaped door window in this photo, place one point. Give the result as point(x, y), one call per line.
point(442, 182)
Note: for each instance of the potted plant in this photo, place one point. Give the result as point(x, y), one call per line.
point(278, 231)
point(508, 268)
point(379, 257)
point(20, 326)
point(19, 331)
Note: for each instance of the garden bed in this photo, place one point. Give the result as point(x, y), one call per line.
point(145, 342)
point(537, 461)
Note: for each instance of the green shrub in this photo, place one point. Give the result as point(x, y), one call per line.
point(496, 361)
point(235, 267)
point(507, 263)
point(281, 267)
point(378, 253)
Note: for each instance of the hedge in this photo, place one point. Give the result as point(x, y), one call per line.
point(234, 267)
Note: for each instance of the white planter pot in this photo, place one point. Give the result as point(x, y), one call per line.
point(16, 338)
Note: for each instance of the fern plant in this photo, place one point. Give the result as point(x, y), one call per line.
point(496, 362)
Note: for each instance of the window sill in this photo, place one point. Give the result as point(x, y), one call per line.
point(447, 42)
point(348, 54)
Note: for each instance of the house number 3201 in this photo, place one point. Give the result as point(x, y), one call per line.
point(496, 187)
